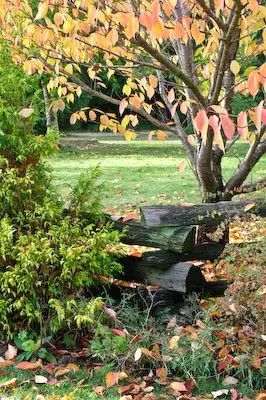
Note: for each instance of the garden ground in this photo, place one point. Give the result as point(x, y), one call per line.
point(136, 173)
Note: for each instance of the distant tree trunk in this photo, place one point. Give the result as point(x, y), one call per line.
point(51, 115)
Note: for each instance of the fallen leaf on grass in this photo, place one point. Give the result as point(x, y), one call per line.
point(26, 365)
point(119, 333)
point(125, 389)
point(178, 386)
point(9, 384)
point(61, 372)
point(161, 373)
point(220, 392)
point(261, 395)
point(127, 397)
point(138, 353)
point(5, 363)
point(111, 379)
point(173, 342)
point(234, 394)
point(11, 352)
point(230, 380)
point(98, 390)
point(40, 379)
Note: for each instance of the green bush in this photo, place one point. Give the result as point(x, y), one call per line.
point(49, 256)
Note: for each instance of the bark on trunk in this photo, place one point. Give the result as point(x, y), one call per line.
point(51, 115)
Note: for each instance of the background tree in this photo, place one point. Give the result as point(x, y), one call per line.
point(191, 54)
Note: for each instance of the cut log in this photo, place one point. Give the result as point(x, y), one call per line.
point(198, 214)
point(179, 277)
point(178, 240)
point(201, 252)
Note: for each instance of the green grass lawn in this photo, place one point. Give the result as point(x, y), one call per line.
point(141, 173)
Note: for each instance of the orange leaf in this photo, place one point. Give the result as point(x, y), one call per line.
point(92, 115)
point(253, 83)
point(26, 365)
point(111, 379)
point(153, 81)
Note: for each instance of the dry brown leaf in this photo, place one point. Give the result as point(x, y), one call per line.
point(173, 342)
point(98, 390)
point(61, 372)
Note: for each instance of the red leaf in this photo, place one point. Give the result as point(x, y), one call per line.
point(123, 104)
point(242, 124)
point(128, 218)
point(201, 123)
point(119, 333)
point(234, 394)
point(228, 126)
point(222, 366)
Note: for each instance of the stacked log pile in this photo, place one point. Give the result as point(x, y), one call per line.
point(172, 230)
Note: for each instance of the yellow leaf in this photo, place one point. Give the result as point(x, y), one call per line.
point(249, 206)
point(42, 10)
point(69, 69)
point(161, 135)
point(126, 90)
point(173, 342)
point(235, 67)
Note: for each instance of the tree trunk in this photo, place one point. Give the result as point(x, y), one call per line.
point(51, 115)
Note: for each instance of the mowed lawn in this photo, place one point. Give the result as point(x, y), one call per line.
point(139, 173)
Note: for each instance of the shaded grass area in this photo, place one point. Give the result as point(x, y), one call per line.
point(139, 173)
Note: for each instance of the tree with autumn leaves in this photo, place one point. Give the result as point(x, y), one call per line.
point(181, 56)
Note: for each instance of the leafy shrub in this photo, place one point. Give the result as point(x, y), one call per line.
point(49, 256)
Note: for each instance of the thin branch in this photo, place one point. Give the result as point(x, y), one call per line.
point(171, 68)
point(212, 15)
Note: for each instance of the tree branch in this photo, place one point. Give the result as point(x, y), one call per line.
point(250, 187)
point(212, 15)
point(171, 68)
point(256, 151)
point(179, 131)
